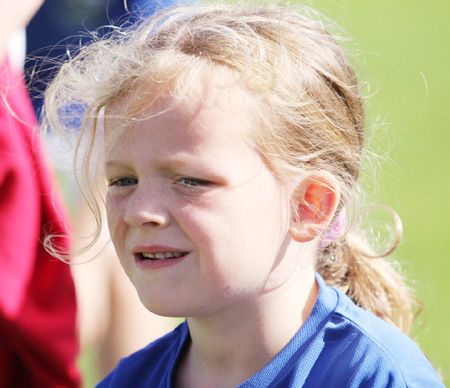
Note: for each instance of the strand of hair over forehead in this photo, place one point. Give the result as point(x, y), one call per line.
point(105, 57)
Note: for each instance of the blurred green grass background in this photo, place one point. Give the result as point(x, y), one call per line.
point(403, 48)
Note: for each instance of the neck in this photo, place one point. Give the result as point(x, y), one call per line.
point(227, 350)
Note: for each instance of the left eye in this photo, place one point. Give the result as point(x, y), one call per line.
point(192, 182)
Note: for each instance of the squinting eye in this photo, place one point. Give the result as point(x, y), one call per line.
point(122, 182)
point(192, 182)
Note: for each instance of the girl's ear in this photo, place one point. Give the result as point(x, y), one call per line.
point(315, 200)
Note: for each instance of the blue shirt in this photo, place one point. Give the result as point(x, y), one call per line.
point(340, 345)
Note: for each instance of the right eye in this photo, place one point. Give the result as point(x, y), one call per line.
point(123, 182)
point(192, 182)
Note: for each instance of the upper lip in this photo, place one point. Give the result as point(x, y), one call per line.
point(155, 249)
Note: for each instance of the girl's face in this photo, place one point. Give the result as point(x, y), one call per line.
point(198, 221)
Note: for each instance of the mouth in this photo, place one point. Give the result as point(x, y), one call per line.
point(160, 255)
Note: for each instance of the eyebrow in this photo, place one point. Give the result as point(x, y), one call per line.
point(115, 164)
point(165, 163)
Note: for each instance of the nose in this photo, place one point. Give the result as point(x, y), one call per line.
point(145, 208)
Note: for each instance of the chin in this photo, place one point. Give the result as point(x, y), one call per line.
point(163, 308)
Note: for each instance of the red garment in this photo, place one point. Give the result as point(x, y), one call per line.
point(38, 341)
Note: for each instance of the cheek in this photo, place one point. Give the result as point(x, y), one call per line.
point(114, 215)
point(195, 222)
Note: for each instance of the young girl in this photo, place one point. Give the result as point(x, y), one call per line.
point(231, 139)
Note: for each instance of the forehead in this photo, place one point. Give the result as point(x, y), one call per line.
point(208, 107)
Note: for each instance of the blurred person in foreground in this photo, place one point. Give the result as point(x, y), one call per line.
point(38, 345)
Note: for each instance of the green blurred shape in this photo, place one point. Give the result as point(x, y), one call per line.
point(403, 48)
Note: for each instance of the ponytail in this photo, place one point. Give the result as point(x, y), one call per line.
point(371, 280)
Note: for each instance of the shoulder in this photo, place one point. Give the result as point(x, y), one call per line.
point(375, 353)
point(151, 366)
point(342, 345)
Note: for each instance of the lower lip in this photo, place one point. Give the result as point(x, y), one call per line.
point(157, 264)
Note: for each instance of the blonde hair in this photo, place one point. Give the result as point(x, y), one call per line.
point(307, 107)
